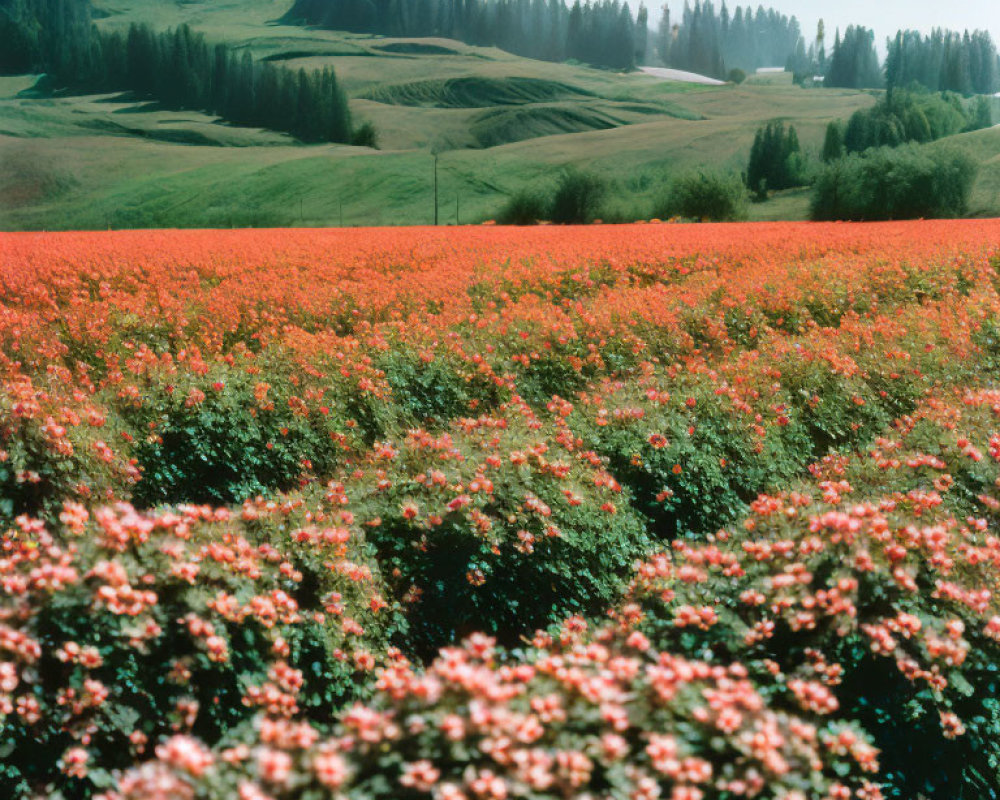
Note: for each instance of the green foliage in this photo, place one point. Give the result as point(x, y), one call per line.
point(525, 207)
point(895, 183)
point(833, 143)
point(179, 69)
point(365, 135)
point(20, 42)
point(776, 160)
point(907, 116)
point(736, 75)
point(577, 198)
point(710, 468)
point(434, 392)
point(229, 445)
point(706, 195)
point(980, 115)
point(854, 62)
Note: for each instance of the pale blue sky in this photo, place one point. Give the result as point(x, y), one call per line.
point(884, 16)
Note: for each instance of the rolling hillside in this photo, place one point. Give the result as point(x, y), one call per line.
point(498, 121)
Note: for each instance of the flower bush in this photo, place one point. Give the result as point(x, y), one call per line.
point(119, 628)
point(498, 525)
point(872, 591)
point(409, 437)
point(584, 715)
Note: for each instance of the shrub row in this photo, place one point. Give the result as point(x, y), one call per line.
point(407, 463)
point(730, 668)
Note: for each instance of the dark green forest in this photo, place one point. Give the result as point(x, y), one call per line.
point(178, 69)
point(713, 43)
point(703, 38)
point(603, 33)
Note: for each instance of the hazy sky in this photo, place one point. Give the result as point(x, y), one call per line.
point(885, 16)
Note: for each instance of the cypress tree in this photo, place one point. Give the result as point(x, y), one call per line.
point(833, 143)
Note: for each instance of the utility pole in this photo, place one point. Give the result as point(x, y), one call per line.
point(435, 189)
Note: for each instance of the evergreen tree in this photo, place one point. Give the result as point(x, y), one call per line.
point(821, 46)
point(664, 36)
point(944, 60)
point(775, 160)
point(177, 68)
point(854, 63)
point(833, 143)
point(981, 116)
point(641, 35)
point(593, 32)
point(713, 42)
point(909, 117)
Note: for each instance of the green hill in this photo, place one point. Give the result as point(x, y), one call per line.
point(498, 121)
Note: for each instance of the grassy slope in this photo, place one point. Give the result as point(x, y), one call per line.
point(82, 162)
point(984, 147)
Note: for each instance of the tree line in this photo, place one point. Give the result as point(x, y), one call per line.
point(891, 174)
point(712, 42)
point(703, 38)
point(944, 60)
point(177, 68)
point(602, 33)
point(903, 117)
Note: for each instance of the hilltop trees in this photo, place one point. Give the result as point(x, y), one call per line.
point(602, 33)
point(176, 68)
point(854, 63)
point(776, 160)
point(712, 42)
point(704, 38)
point(697, 42)
point(944, 60)
point(912, 117)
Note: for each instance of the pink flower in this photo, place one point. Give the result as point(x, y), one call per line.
point(330, 769)
point(274, 766)
point(185, 754)
point(420, 775)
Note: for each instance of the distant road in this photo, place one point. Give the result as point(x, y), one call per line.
point(680, 75)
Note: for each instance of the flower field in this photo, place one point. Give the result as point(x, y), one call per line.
point(630, 512)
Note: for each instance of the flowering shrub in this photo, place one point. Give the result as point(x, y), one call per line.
point(224, 434)
point(872, 592)
point(50, 450)
point(119, 628)
point(410, 436)
point(587, 715)
point(498, 525)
